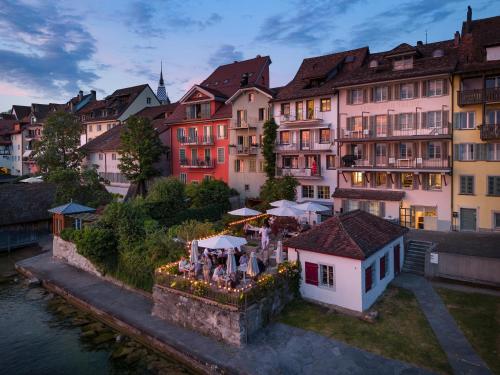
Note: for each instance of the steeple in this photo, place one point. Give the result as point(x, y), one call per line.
point(161, 92)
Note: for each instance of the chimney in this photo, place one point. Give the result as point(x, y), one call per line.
point(92, 93)
point(80, 95)
point(420, 43)
point(456, 41)
point(469, 19)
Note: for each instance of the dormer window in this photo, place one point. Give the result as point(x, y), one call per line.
point(33, 119)
point(251, 97)
point(148, 100)
point(402, 63)
point(438, 53)
point(493, 53)
point(226, 81)
point(373, 64)
point(199, 110)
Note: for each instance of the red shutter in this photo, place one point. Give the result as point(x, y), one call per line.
point(382, 267)
point(311, 273)
point(368, 279)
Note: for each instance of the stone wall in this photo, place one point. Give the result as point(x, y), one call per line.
point(66, 251)
point(211, 318)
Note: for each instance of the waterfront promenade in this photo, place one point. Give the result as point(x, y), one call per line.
point(279, 349)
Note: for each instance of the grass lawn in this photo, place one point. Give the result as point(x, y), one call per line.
point(478, 316)
point(401, 332)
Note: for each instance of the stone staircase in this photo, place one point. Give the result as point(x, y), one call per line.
point(415, 256)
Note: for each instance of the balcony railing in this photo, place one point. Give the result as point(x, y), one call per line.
point(244, 150)
point(391, 162)
point(479, 96)
point(195, 163)
point(306, 173)
point(203, 140)
point(307, 116)
point(489, 132)
point(248, 123)
point(389, 130)
point(304, 146)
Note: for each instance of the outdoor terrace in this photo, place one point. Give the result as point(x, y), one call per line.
point(351, 162)
point(479, 96)
point(303, 146)
point(490, 132)
point(390, 131)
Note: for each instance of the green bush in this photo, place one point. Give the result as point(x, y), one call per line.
point(67, 234)
point(191, 229)
point(98, 244)
point(135, 268)
point(213, 191)
point(279, 188)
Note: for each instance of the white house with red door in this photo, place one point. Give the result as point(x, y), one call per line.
point(348, 260)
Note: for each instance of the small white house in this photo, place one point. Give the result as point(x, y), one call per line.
point(348, 260)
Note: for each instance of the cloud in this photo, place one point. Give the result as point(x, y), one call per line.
point(49, 48)
point(225, 54)
point(307, 25)
point(143, 72)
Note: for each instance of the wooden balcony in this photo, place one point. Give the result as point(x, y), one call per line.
point(351, 162)
point(389, 131)
point(479, 96)
point(284, 148)
point(490, 132)
point(195, 163)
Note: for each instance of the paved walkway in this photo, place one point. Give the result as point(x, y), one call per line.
point(462, 357)
point(279, 349)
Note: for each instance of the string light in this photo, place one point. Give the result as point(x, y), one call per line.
point(247, 220)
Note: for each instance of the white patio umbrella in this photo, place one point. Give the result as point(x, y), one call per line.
point(193, 257)
point(231, 262)
point(32, 180)
point(311, 207)
point(244, 212)
point(283, 203)
point(285, 211)
point(222, 242)
point(279, 252)
point(252, 267)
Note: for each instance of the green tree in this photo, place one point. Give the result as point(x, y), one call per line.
point(59, 146)
point(140, 149)
point(209, 192)
point(279, 188)
point(191, 230)
point(269, 141)
point(165, 199)
point(98, 244)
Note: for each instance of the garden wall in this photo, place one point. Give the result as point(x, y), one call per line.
point(66, 251)
point(223, 322)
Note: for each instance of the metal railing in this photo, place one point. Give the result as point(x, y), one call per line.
point(245, 150)
point(299, 172)
point(307, 116)
point(399, 162)
point(304, 146)
point(195, 163)
point(489, 132)
point(251, 122)
point(389, 130)
point(479, 96)
point(195, 140)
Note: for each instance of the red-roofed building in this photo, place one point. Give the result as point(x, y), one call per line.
point(200, 123)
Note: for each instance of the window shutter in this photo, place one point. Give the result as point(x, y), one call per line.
point(397, 91)
point(373, 124)
point(397, 124)
point(363, 205)
point(372, 94)
point(423, 120)
point(381, 208)
point(456, 120)
point(424, 88)
point(245, 115)
point(456, 152)
point(477, 151)
point(416, 93)
point(389, 92)
point(350, 123)
point(382, 267)
point(414, 120)
point(425, 149)
point(415, 181)
point(311, 273)
point(444, 150)
point(365, 95)
point(483, 151)
point(368, 279)
point(445, 86)
point(365, 122)
point(349, 97)
point(445, 119)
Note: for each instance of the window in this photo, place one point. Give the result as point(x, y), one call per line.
point(237, 165)
point(182, 155)
point(180, 134)
point(90, 128)
point(381, 150)
point(78, 224)
point(434, 119)
point(325, 105)
point(324, 135)
point(357, 179)
point(380, 94)
point(247, 187)
point(285, 109)
point(493, 53)
point(252, 165)
point(496, 220)
point(290, 162)
point(113, 156)
point(220, 155)
point(221, 131)
point(101, 156)
point(434, 181)
point(494, 185)
point(199, 110)
point(327, 276)
point(465, 120)
point(356, 96)
point(380, 179)
point(307, 191)
point(323, 192)
point(435, 87)
point(251, 97)
point(407, 180)
point(406, 150)
point(262, 112)
point(493, 152)
point(467, 185)
point(438, 53)
point(183, 178)
point(148, 100)
point(311, 273)
point(207, 155)
point(406, 121)
point(402, 63)
point(492, 82)
point(208, 177)
point(493, 117)
point(434, 150)
point(285, 138)
point(99, 127)
point(108, 127)
point(384, 266)
point(466, 151)
point(330, 161)
point(299, 110)
point(369, 278)
point(406, 91)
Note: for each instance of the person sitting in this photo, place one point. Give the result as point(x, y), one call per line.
point(232, 280)
point(184, 265)
point(243, 259)
point(218, 275)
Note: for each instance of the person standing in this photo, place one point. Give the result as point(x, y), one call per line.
point(207, 267)
point(264, 235)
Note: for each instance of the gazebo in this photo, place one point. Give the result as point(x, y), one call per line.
point(71, 215)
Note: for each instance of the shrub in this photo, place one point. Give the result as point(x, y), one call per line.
point(161, 248)
point(279, 188)
point(135, 268)
point(166, 198)
point(213, 191)
point(191, 229)
point(67, 234)
point(98, 244)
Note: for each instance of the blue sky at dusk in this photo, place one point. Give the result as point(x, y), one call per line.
point(50, 50)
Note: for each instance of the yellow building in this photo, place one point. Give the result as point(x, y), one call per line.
point(476, 123)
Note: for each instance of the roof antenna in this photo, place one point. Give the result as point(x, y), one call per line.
point(426, 36)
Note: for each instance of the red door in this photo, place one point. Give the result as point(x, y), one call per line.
point(396, 260)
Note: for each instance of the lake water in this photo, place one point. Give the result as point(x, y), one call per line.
point(37, 338)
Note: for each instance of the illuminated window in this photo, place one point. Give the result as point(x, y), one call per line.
point(407, 180)
point(357, 178)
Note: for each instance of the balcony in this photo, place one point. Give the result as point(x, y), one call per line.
point(479, 96)
point(308, 117)
point(304, 146)
point(353, 162)
point(390, 131)
point(205, 140)
point(244, 150)
point(300, 173)
point(489, 132)
point(250, 123)
point(195, 163)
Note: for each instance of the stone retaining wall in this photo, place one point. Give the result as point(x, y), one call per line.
point(66, 251)
point(211, 318)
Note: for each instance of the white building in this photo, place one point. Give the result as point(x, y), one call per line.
point(348, 260)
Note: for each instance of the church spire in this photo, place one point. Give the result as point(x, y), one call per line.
point(161, 92)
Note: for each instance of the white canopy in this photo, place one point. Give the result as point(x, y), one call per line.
point(311, 207)
point(285, 211)
point(283, 203)
point(244, 212)
point(32, 180)
point(222, 242)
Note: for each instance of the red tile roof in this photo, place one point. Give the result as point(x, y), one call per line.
point(158, 111)
point(369, 194)
point(21, 111)
point(356, 234)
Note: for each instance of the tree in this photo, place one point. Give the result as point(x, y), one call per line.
point(270, 132)
point(140, 149)
point(59, 146)
point(279, 188)
point(165, 199)
point(191, 229)
point(209, 192)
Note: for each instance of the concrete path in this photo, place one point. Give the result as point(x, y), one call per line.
point(279, 349)
point(462, 357)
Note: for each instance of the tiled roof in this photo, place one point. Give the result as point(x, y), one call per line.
point(370, 194)
point(158, 111)
point(356, 234)
point(22, 111)
point(403, 48)
point(71, 208)
point(107, 141)
point(324, 70)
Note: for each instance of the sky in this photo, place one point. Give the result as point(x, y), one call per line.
point(49, 50)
